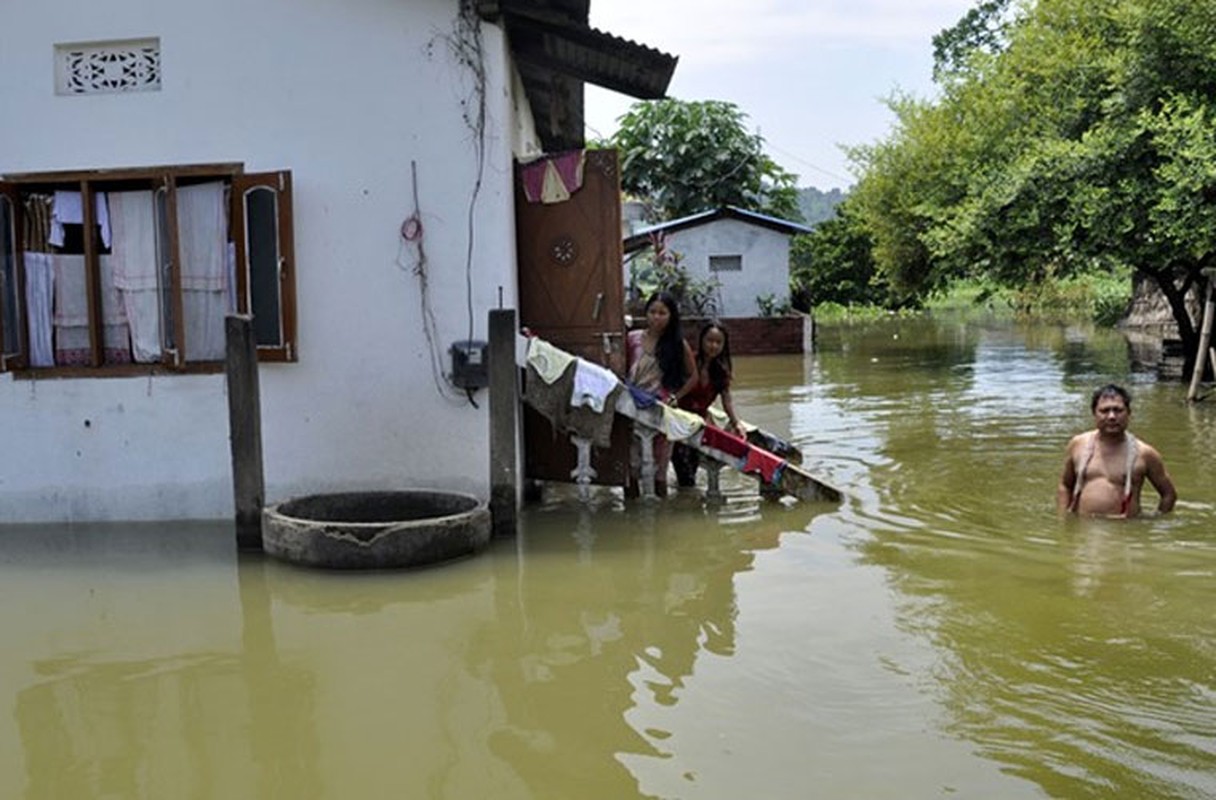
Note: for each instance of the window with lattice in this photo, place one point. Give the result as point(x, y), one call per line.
point(108, 67)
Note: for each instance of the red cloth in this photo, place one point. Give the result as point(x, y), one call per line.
point(532, 176)
point(768, 465)
point(570, 169)
point(566, 168)
point(726, 442)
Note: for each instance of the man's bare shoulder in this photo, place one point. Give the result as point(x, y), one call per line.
point(1079, 441)
point(1147, 451)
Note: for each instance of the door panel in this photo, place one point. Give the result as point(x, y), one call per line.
point(571, 293)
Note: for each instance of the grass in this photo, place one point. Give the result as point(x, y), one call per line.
point(1101, 297)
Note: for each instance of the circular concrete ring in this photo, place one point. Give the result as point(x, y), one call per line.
point(376, 530)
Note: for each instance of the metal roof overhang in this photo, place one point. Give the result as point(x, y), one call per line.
point(557, 55)
point(592, 56)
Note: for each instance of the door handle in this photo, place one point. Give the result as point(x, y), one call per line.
point(599, 304)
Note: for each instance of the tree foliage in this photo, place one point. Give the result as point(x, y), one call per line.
point(834, 264)
point(981, 30)
point(685, 157)
point(1085, 142)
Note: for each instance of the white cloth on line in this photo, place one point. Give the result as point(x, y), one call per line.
point(133, 253)
point(71, 292)
point(39, 300)
point(202, 236)
point(204, 314)
point(68, 208)
point(134, 262)
point(71, 317)
point(592, 384)
point(521, 349)
point(143, 315)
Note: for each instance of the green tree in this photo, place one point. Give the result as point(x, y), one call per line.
point(834, 264)
point(684, 157)
point(1085, 143)
point(981, 30)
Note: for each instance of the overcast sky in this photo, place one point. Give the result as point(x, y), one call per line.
point(809, 74)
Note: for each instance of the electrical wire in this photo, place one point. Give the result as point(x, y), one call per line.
point(412, 234)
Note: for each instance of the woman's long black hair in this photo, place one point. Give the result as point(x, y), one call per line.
point(720, 368)
point(669, 350)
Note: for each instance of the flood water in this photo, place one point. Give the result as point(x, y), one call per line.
point(940, 633)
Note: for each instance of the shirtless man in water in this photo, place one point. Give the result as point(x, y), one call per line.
point(1104, 469)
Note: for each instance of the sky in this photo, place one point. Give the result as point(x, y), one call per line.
point(809, 74)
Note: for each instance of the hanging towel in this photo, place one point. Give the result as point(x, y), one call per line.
point(134, 263)
point(143, 317)
point(552, 401)
point(549, 397)
point(592, 384)
point(548, 361)
point(133, 253)
point(680, 424)
point(71, 317)
point(767, 465)
point(532, 178)
point(202, 236)
point(68, 208)
point(37, 223)
point(521, 349)
point(726, 442)
point(73, 347)
point(591, 424)
point(553, 178)
point(71, 292)
point(39, 300)
point(569, 169)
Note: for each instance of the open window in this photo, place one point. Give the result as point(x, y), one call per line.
point(262, 235)
point(127, 271)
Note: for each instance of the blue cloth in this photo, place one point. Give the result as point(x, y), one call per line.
point(641, 397)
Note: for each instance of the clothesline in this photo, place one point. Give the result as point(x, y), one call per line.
point(560, 385)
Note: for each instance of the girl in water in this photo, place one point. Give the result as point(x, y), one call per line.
point(662, 363)
point(711, 381)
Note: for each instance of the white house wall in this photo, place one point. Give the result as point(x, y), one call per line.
point(346, 94)
point(766, 259)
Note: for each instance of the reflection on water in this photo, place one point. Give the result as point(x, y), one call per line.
point(941, 632)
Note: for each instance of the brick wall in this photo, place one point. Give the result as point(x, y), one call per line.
point(753, 336)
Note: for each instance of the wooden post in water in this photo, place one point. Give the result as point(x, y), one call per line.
point(504, 408)
point(1205, 339)
point(245, 430)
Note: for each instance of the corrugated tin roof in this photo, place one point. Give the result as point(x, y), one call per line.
point(557, 52)
point(641, 239)
point(592, 56)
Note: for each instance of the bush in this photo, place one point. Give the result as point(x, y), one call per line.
point(662, 269)
point(770, 306)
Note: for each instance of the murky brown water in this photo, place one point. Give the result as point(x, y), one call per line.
point(941, 633)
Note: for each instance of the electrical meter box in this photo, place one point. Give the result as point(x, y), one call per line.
point(469, 367)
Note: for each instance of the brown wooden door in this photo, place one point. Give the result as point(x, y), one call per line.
point(571, 293)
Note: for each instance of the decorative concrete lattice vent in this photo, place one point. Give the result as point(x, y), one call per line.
point(132, 65)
